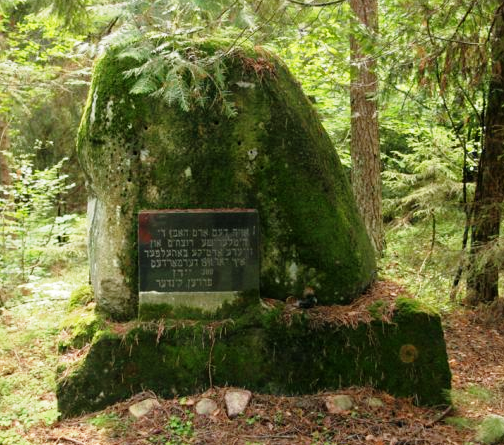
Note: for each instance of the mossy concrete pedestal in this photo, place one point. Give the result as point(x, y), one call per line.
point(268, 351)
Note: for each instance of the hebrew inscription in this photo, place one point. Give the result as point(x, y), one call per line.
point(198, 250)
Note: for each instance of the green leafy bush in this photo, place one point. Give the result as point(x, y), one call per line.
point(29, 216)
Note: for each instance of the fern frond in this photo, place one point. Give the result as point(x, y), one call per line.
point(144, 85)
point(125, 35)
point(138, 53)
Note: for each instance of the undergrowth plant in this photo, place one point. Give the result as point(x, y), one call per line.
point(29, 216)
point(424, 204)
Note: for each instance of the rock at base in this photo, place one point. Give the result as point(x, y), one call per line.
point(237, 401)
point(339, 404)
point(374, 402)
point(143, 408)
point(206, 407)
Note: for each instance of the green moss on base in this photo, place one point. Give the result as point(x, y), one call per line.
point(81, 296)
point(82, 321)
point(243, 303)
point(262, 352)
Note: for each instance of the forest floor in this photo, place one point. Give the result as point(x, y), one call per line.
point(28, 356)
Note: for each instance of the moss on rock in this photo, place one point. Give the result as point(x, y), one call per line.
point(81, 297)
point(274, 155)
point(81, 323)
point(263, 352)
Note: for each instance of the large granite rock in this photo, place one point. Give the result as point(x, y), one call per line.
point(274, 156)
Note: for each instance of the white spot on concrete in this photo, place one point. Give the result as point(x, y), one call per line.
point(188, 173)
point(252, 154)
point(109, 112)
point(144, 155)
point(92, 116)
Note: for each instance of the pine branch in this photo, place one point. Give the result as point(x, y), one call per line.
point(319, 5)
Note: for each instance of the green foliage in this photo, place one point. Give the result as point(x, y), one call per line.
point(177, 431)
point(491, 430)
point(33, 55)
point(111, 424)
point(460, 422)
point(28, 357)
point(80, 297)
point(29, 219)
point(472, 394)
point(27, 362)
point(316, 50)
point(425, 271)
point(426, 178)
point(176, 71)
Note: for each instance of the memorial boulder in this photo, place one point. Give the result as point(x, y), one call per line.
point(191, 207)
point(140, 153)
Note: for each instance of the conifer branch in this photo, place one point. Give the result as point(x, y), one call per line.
point(314, 5)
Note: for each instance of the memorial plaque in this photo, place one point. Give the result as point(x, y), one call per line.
point(197, 258)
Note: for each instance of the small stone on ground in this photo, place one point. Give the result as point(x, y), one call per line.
point(143, 408)
point(374, 402)
point(338, 404)
point(237, 401)
point(205, 407)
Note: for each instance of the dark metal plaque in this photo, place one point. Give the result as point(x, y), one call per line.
point(192, 251)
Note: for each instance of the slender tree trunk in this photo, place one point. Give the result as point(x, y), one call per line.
point(4, 146)
point(364, 146)
point(483, 278)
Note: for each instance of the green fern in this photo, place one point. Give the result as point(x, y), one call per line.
point(426, 178)
point(178, 73)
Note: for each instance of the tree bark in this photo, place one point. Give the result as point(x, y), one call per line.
point(483, 277)
point(4, 146)
point(364, 145)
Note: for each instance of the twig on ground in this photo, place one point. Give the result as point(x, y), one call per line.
point(439, 417)
point(68, 439)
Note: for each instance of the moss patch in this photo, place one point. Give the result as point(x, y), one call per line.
point(79, 327)
point(262, 352)
point(81, 297)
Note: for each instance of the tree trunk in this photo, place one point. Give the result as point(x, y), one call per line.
point(4, 146)
point(483, 278)
point(364, 145)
